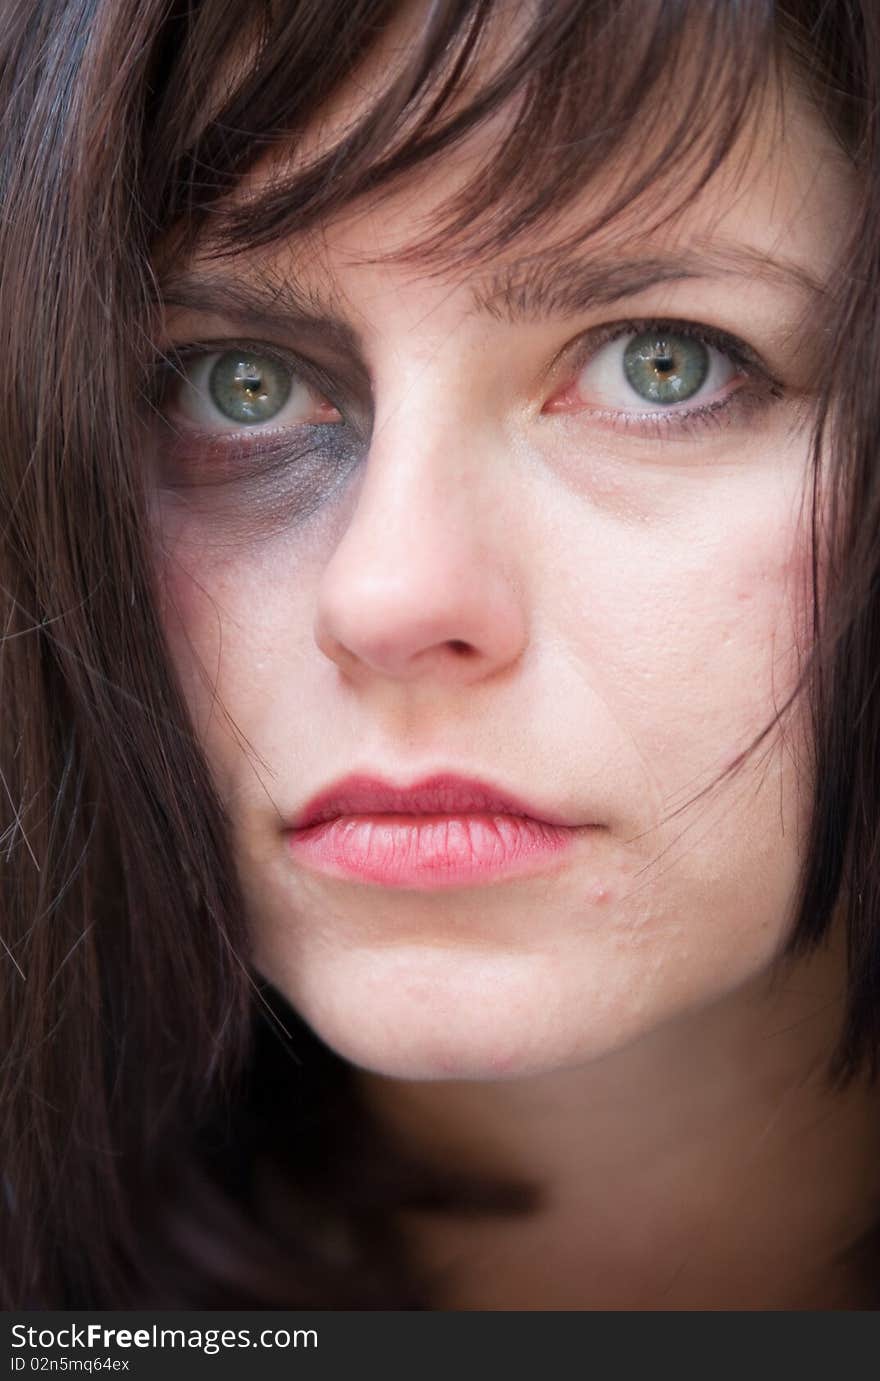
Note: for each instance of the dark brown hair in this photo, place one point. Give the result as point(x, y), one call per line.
point(171, 1133)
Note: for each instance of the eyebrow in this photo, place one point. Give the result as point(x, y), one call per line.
point(536, 289)
point(274, 303)
point(531, 289)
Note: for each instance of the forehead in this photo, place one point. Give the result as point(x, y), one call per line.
point(775, 210)
point(659, 207)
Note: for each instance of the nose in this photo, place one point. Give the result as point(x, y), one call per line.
point(423, 584)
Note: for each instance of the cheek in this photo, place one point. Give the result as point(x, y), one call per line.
point(691, 616)
point(689, 622)
point(237, 628)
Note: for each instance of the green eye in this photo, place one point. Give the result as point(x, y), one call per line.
point(249, 387)
point(666, 368)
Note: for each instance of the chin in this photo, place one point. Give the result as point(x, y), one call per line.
point(416, 1052)
point(439, 1014)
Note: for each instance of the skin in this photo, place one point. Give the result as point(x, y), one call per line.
point(520, 577)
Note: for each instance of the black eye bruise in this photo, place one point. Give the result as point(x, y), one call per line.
point(243, 494)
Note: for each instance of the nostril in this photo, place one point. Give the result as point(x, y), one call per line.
point(458, 646)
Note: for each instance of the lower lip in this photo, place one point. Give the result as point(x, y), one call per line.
point(427, 852)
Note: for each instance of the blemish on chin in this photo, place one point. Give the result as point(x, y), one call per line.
point(502, 1064)
point(495, 1066)
point(601, 895)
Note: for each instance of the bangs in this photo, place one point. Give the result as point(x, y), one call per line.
point(654, 92)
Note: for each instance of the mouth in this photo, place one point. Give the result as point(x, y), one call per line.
point(445, 831)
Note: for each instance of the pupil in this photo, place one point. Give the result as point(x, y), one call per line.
point(252, 383)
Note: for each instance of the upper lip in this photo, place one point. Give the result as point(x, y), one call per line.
point(445, 793)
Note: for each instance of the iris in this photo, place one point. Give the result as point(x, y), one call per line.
point(249, 387)
point(664, 367)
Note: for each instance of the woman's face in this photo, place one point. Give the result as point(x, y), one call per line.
point(535, 523)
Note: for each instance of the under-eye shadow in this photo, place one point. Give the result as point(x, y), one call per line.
point(250, 489)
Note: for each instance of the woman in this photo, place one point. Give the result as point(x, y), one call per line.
point(440, 690)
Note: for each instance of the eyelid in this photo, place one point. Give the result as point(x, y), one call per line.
point(171, 361)
point(577, 352)
point(757, 387)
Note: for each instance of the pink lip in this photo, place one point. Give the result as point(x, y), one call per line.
point(443, 831)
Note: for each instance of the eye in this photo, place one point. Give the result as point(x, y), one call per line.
point(666, 368)
point(243, 387)
point(648, 371)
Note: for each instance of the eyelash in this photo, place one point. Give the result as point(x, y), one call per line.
point(169, 365)
point(760, 389)
point(673, 421)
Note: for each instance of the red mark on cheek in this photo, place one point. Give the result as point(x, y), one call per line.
point(601, 895)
